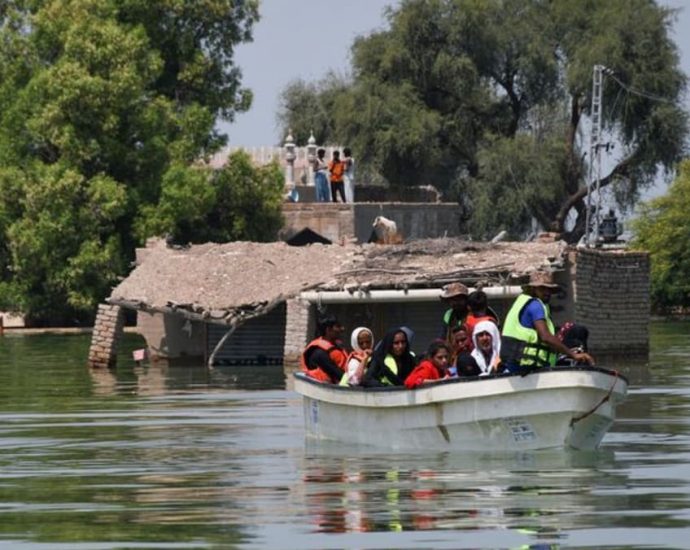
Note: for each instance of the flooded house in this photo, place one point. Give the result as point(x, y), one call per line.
point(256, 303)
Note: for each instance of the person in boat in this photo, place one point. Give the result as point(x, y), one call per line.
point(461, 342)
point(324, 357)
point(479, 310)
point(466, 366)
point(574, 336)
point(392, 361)
point(529, 337)
point(434, 367)
point(454, 295)
point(362, 342)
point(487, 347)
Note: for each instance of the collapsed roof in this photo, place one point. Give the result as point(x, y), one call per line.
point(232, 282)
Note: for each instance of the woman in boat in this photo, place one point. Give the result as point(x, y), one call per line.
point(362, 341)
point(434, 367)
point(392, 361)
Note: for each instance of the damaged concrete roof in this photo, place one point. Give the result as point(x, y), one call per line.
point(227, 283)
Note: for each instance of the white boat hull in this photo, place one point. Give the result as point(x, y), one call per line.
point(550, 408)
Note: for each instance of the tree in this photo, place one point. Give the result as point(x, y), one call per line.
point(663, 229)
point(307, 108)
point(239, 201)
point(105, 106)
point(453, 89)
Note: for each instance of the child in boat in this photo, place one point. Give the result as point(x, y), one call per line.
point(362, 341)
point(434, 367)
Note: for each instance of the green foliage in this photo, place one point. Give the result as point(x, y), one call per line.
point(516, 178)
point(435, 96)
point(63, 251)
point(663, 229)
point(306, 108)
point(240, 201)
point(106, 108)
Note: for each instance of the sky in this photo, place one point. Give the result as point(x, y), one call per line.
point(307, 38)
point(296, 39)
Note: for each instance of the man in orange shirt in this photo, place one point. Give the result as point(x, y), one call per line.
point(337, 169)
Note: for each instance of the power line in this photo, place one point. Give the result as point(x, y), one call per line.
point(633, 90)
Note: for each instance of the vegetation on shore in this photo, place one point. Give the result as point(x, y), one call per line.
point(108, 110)
point(663, 229)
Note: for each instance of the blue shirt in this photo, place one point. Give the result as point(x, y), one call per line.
point(533, 312)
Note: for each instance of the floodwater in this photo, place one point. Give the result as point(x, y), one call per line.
point(183, 458)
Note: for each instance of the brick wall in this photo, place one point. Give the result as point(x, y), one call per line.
point(346, 221)
point(333, 221)
point(612, 300)
point(299, 326)
point(107, 331)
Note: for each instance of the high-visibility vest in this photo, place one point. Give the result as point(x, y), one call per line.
point(521, 345)
point(390, 362)
point(337, 355)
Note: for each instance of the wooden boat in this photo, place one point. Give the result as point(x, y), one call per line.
point(548, 408)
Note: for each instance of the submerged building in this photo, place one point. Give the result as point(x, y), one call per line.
point(256, 303)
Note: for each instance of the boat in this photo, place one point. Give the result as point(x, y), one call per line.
point(559, 407)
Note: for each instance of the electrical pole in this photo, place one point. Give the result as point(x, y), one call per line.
point(595, 154)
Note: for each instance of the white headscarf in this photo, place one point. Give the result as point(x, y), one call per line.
point(354, 370)
point(354, 339)
point(492, 329)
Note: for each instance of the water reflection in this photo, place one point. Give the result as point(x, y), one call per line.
point(531, 493)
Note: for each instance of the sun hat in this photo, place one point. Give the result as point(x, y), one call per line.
point(452, 290)
point(541, 278)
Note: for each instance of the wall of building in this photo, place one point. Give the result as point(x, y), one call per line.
point(105, 337)
point(612, 300)
point(354, 221)
point(333, 221)
point(172, 336)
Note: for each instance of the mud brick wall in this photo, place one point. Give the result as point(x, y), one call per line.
point(299, 325)
point(106, 336)
point(612, 300)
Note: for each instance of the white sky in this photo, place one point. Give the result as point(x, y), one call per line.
point(306, 38)
point(296, 39)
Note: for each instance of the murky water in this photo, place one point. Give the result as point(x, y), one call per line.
point(145, 457)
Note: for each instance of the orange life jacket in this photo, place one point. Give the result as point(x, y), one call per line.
point(337, 169)
point(337, 355)
point(471, 321)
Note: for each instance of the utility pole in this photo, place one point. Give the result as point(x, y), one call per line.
point(595, 154)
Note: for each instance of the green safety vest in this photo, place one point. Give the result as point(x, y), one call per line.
point(389, 361)
point(521, 345)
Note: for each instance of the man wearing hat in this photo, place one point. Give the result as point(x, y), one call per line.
point(324, 358)
point(529, 335)
point(455, 296)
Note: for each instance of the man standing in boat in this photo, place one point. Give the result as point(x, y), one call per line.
point(324, 357)
point(454, 295)
point(529, 337)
